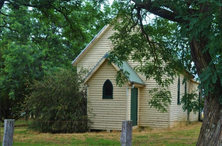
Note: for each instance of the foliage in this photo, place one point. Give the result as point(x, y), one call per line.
point(130, 44)
point(162, 46)
point(58, 103)
point(161, 98)
point(18, 68)
point(156, 57)
point(121, 77)
point(191, 103)
point(40, 36)
point(185, 35)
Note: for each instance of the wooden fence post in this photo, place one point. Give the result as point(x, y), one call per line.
point(8, 132)
point(126, 135)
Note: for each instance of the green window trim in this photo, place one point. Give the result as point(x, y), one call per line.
point(107, 90)
point(178, 92)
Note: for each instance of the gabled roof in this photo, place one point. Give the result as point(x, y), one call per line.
point(86, 49)
point(133, 77)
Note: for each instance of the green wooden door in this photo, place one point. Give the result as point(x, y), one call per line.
point(134, 105)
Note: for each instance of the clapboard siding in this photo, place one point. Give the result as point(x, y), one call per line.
point(193, 87)
point(176, 112)
point(106, 114)
point(150, 116)
point(98, 50)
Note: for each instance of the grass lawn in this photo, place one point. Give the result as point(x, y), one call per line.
point(181, 135)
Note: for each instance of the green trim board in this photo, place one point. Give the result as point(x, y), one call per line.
point(178, 92)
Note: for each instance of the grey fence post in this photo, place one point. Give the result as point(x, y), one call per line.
point(126, 135)
point(8, 132)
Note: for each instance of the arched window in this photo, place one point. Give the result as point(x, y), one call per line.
point(107, 90)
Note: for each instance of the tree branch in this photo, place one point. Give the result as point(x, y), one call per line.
point(1, 3)
point(45, 5)
point(170, 14)
point(3, 14)
point(7, 14)
point(5, 26)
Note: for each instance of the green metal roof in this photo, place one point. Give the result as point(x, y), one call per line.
point(133, 77)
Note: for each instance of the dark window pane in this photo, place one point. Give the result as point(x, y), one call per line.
point(107, 90)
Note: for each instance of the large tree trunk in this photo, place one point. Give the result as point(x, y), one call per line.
point(211, 130)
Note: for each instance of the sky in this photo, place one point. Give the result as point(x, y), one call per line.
point(110, 1)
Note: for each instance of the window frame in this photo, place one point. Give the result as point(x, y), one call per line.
point(104, 90)
point(178, 92)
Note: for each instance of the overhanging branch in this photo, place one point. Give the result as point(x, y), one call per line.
point(152, 7)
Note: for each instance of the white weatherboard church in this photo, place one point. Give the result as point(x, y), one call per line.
point(110, 104)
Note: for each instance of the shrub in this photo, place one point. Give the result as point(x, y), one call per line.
point(58, 103)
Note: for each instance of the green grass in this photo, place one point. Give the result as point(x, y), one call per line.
point(182, 135)
point(18, 123)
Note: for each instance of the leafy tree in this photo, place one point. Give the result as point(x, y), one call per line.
point(38, 37)
point(184, 35)
point(17, 69)
point(58, 103)
point(190, 103)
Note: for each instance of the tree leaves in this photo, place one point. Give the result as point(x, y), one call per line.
point(58, 103)
point(38, 37)
point(191, 103)
point(162, 47)
point(161, 99)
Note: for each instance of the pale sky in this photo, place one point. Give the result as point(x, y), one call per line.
point(110, 1)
